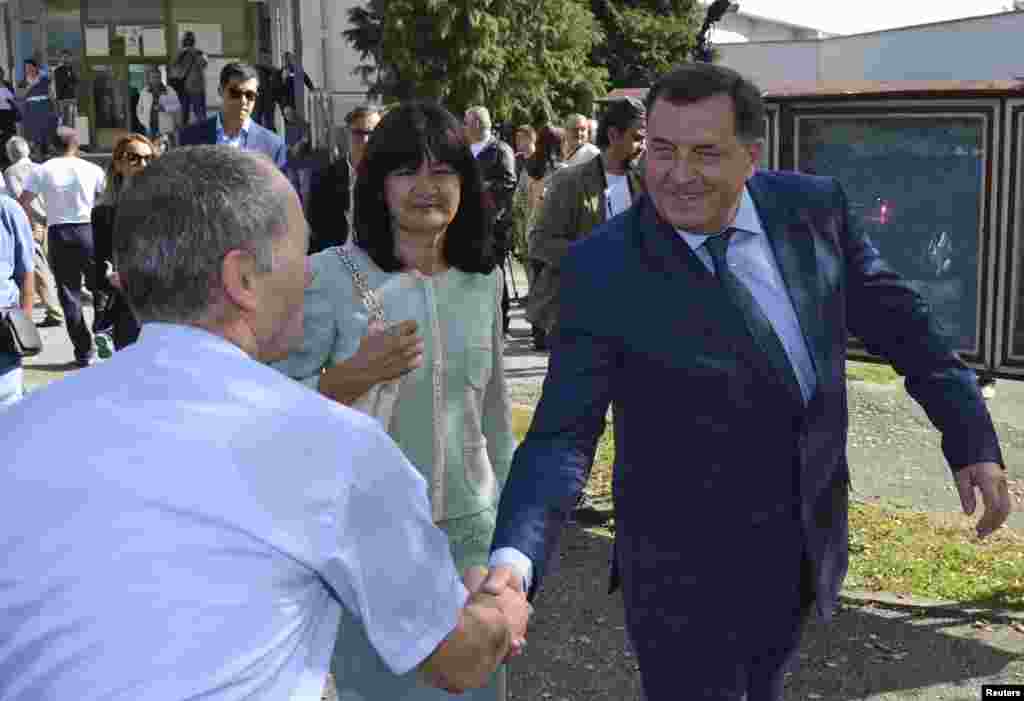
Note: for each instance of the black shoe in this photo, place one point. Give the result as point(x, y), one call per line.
point(86, 361)
point(589, 513)
point(49, 322)
point(540, 339)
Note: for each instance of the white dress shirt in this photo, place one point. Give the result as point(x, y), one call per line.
point(198, 528)
point(583, 153)
point(477, 146)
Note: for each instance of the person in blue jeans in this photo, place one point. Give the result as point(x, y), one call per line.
point(16, 285)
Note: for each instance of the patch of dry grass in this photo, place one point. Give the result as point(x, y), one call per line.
point(933, 556)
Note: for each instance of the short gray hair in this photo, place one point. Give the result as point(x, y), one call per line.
point(483, 115)
point(182, 215)
point(17, 148)
point(570, 121)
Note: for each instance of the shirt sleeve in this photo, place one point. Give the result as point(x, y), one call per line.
point(101, 182)
point(320, 327)
point(33, 181)
point(24, 261)
point(392, 567)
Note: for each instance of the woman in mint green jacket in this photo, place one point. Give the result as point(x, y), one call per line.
point(424, 247)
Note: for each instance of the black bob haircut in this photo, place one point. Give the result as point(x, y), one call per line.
point(406, 136)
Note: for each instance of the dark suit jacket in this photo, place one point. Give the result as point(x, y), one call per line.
point(330, 199)
point(498, 169)
point(710, 450)
point(259, 139)
point(572, 208)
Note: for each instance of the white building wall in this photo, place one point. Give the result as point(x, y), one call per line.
point(974, 49)
point(773, 62)
point(982, 48)
point(755, 28)
point(324, 48)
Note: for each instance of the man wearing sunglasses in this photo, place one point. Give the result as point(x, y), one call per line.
point(234, 126)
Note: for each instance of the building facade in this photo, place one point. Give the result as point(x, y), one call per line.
point(976, 48)
point(114, 42)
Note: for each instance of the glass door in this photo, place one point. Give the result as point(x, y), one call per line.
point(122, 41)
point(117, 91)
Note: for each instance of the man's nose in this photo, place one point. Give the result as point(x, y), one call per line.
point(681, 170)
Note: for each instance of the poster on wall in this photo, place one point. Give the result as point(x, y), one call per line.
point(154, 41)
point(213, 69)
point(132, 36)
point(209, 38)
point(97, 41)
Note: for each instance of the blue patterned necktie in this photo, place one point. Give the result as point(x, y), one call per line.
point(757, 321)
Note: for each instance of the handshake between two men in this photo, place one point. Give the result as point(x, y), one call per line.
point(491, 628)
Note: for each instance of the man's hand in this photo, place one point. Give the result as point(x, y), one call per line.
point(473, 577)
point(505, 579)
point(502, 586)
point(501, 578)
point(481, 641)
point(990, 478)
point(389, 354)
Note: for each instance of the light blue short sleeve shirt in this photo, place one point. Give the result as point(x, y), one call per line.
point(199, 530)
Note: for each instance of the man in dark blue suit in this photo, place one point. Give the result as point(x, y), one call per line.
point(234, 126)
point(713, 314)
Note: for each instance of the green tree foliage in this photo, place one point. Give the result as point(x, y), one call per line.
point(644, 38)
point(527, 60)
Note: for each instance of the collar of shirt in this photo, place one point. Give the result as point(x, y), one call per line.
point(746, 220)
point(172, 336)
point(479, 146)
point(238, 140)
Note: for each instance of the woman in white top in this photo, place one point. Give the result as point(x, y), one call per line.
point(159, 109)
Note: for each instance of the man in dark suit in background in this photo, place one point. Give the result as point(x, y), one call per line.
point(266, 101)
point(239, 88)
point(331, 214)
point(714, 314)
point(498, 168)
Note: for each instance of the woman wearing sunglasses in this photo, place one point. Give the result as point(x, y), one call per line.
point(116, 325)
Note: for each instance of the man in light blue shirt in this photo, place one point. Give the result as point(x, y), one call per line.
point(207, 547)
point(16, 283)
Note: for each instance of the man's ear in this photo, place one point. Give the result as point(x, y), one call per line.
point(239, 279)
point(755, 149)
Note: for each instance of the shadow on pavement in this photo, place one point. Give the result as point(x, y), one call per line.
point(578, 649)
point(51, 367)
point(893, 652)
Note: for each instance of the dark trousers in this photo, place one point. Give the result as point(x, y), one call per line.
point(727, 630)
point(506, 304)
point(124, 326)
point(71, 257)
point(192, 105)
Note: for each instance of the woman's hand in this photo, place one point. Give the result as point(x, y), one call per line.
point(389, 353)
point(382, 355)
